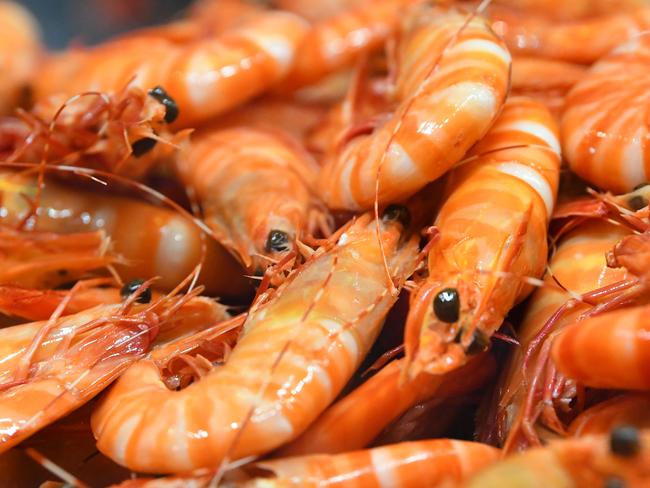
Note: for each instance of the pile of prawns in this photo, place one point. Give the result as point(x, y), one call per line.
point(324, 167)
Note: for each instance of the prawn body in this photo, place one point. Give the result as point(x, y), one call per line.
point(294, 355)
point(452, 81)
point(492, 232)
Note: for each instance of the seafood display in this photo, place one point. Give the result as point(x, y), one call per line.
point(365, 243)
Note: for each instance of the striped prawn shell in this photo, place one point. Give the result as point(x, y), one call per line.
point(579, 264)
point(250, 182)
point(437, 462)
point(204, 76)
point(611, 350)
point(605, 122)
point(295, 354)
point(336, 42)
point(509, 182)
point(453, 79)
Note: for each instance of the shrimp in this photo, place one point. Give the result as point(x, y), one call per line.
point(611, 350)
point(19, 53)
point(356, 420)
point(579, 265)
point(437, 462)
point(452, 82)
point(295, 354)
point(336, 42)
point(151, 240)
point(219, 16)
point(492, 230)
point(256, 189)
point(585, 461)
point(628, 409)
point(580, 41)
point(117, 132)
point(604, 126)
point(205, 77)
point(50, 368)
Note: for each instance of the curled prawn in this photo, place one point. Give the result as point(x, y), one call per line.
point(151, 240)
point(256, 189)
point(452, 80)
point(52, 367)
point(492, 235)
point(295, 354)
point(204, 77)
point(437, 462)
point(604, 124)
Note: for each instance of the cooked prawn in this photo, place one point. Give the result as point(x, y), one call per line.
point(452, 80)
point(152, 241)
point(204, 77)
point(438, 462)
point(492, 234)
point(256, 189)
point(604, 125)
point(50, 368)
point(295, 354)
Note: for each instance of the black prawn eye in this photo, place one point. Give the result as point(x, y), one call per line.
point(142, 146)
point(130, 288)
point(624, 441)
point(171, 109)
point(446, 305)
point(277, 241)
point(398, 213)
point(637, 202)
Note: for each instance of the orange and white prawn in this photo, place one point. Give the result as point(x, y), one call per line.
point(492, 235)
point(295, 354)
point(19, 53)
point(452, 80)
point(430, 463)
point(336, 41)
point(604, 126)
point(124, 132)
point(531, 392)
point(574, 10)
point(611, 350)
point(203, 77)
point(151, 240)
point(52, 367)
point(622, 457)
point(578, 41)
point(257, 191)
